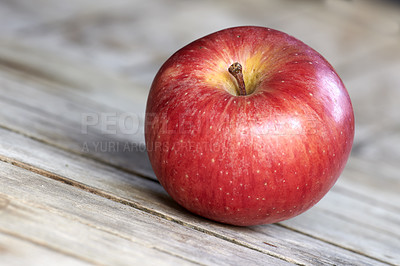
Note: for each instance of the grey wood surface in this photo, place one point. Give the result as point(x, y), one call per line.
point(75, 192)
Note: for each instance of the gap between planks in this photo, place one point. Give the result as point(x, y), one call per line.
point(333, 243)
point(86, 155)
point(79, 257)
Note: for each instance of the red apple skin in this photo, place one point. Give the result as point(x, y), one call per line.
point(255, 159)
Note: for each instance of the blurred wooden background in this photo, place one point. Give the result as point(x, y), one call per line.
point(73, 191)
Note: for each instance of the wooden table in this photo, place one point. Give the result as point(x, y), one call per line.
point(76, 186)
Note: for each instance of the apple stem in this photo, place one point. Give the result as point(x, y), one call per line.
point(236, 71)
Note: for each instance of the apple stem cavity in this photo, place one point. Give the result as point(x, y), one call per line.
point(236, 71)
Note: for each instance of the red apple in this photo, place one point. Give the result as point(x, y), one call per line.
point(248, 126)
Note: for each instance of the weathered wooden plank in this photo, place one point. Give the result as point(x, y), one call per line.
point(338, 36)
point(80, 80)
point(331, 227)
point(148, 195)
point(16, 250)
point(383, 147)
point(376, 108)
point(64, 121)
point(85, 225)
point(380, 217)
point(379, 181)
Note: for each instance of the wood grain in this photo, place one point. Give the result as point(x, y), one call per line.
point(16, 250)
